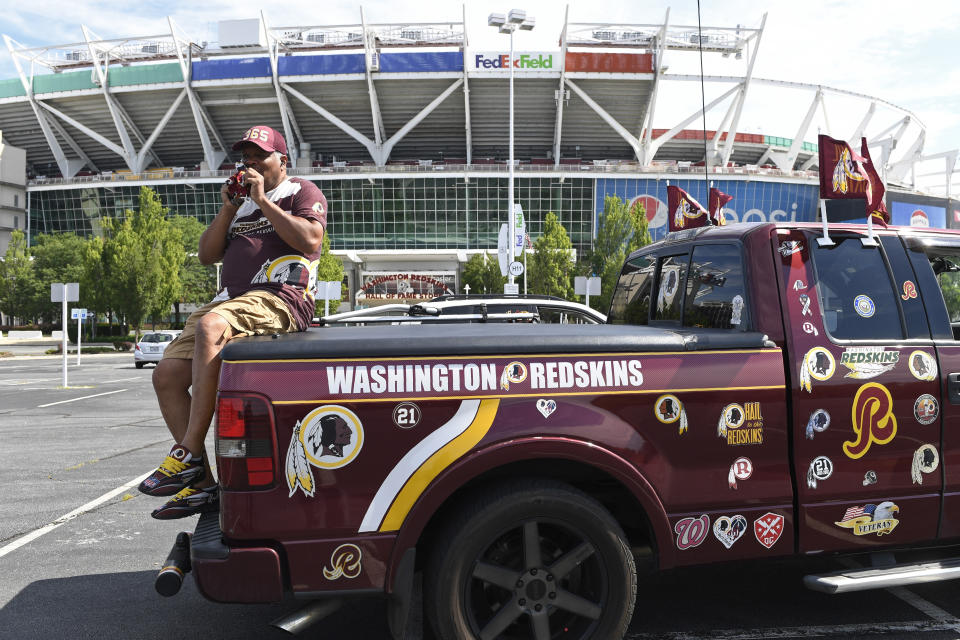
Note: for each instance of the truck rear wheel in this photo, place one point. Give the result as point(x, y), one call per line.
point(530, 559)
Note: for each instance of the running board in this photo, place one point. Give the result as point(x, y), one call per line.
point(848, 580)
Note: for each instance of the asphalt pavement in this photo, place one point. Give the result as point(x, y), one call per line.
point(79, 551)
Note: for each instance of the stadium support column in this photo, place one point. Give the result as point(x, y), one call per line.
point(732, 131)
point(370, 50)
point(558, 125)
point(291, 130)
point(466, 92)
point(129, 155)
point(644, 156)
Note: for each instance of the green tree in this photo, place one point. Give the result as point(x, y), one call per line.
point(198, 282)
point(482, 273)
point(622, 229)
point(147, 254)
point(57, 257)
point(18, 284)
point(330, 269)
point(551, 266)
point(95, 291)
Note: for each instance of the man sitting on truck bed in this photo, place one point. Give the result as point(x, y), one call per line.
point(269, 242)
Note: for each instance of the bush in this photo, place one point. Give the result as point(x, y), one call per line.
point(122, 345)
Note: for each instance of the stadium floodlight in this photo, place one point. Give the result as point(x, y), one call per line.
point(496, 20)
point(516, 18)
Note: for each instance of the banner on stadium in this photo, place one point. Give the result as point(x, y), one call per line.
point(522, 61)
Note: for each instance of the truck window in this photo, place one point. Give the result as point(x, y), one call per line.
point(946, 267)
point(715, 290)
point(856, 293)
point(631, 298)
point(671, 275)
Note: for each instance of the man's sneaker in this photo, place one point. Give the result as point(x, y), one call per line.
point(189, 502)
point(178, 470)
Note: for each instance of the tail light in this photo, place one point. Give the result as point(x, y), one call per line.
point(246, 443)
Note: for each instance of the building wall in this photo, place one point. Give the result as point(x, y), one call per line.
point(13, 192)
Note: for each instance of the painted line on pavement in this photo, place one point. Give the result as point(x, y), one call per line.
point(120, 380)
point(50, 404)
point(879, 628)
point(47, 528)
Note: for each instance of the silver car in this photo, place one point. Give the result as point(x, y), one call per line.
point(151, 346)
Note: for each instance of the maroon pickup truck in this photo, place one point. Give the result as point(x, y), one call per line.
point(756, 393)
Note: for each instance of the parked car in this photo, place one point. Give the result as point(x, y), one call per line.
point(151, 346)
point(475, 308)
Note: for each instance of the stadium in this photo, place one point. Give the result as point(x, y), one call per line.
point(404, 128)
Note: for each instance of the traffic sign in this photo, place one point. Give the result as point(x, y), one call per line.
point(57, 290)
point(516, 268)
point(78, 314)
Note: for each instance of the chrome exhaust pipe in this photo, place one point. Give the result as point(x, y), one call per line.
point(299, 621)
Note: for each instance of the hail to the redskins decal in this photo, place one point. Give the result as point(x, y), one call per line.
point(873, 420)
point(329, 437)
point(817, 364)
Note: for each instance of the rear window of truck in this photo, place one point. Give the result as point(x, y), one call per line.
point(856, 291)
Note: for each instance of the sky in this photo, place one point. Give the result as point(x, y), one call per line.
point(887, 49)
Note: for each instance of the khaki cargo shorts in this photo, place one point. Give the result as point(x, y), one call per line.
point(254, 313)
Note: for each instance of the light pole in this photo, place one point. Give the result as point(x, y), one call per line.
point(516, 19)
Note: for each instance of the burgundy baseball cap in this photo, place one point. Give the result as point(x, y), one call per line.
point(264, 137)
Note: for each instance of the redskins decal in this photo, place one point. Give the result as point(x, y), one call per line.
point(873, 420)
point(344, 562)
point(293, 270)
point(922, 365)
point(515, 372)
point(328, 437)
point(817, 364)
point(844, 171)
point(668, 409)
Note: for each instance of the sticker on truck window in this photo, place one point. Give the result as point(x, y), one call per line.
point(818, 423)
point(668, 409)
point(817, 364)
point(790, 247)
point(864, 306)
point(925, 460)
point(329, 437)
point(868, 362)
point(922, 365)
point(909, 290)
point(873, 420)
point(870, 518)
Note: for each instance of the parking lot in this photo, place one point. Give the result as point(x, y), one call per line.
point(79, 551)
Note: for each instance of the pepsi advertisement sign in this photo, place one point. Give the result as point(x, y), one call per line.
point(917, 212)
point(753, 200)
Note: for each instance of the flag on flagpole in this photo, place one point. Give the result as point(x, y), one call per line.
point(875, 193)
point(685, 212)
point(842, 174)
point(717, 201)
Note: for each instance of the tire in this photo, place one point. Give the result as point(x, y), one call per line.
point(138, 365)
point(485, 581)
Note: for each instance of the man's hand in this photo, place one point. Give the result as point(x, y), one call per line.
point(253, 180)
point(225, 196)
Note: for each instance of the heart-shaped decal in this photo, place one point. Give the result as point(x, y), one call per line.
point(728, 529)
point(546, 407)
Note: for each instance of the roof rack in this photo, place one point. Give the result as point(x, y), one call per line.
point(402, 313)
point(493, 296)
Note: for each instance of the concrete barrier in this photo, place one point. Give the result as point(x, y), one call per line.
point(25, 335)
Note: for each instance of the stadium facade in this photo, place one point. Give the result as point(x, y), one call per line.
point(404, 129)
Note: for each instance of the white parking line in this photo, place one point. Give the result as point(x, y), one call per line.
point(120, 380)
point(106, 393)
point(47, 528)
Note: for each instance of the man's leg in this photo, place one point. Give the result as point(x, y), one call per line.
point(212, 334)
point(171, 382)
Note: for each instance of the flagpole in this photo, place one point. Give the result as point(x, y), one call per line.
point(825, 241)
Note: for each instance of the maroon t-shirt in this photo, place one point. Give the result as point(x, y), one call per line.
point(257, 258)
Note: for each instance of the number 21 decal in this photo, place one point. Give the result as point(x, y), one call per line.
point(406, 415)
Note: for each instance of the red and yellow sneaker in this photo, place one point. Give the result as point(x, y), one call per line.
point(179, 470)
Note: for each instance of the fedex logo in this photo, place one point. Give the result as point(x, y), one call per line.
point(524, 61)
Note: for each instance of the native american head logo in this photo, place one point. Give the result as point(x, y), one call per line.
point(329, 437)
point(845, 170)
point(685, 210)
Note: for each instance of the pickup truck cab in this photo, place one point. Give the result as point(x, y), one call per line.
point(754, 394)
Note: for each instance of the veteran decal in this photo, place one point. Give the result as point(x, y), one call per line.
point(864, 306)
point(741, 424)
point(817, 364)
point(868, 362)
point(922, 365)
point(668, 409)
point(870, 518)
point(344, 562)
point(873, 419)
point(329, 437)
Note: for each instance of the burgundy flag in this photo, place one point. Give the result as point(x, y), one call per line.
point(684, 211)
point(841, 170)
point(717, 200)
point(875, 192)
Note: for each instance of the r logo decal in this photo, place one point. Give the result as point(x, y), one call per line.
point(873, 419)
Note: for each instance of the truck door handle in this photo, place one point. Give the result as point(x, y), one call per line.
point(953, 388)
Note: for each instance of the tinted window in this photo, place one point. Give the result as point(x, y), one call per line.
point(556, 315)
point(945, 263)
point(631, 298)
point(156, 337)
point(855, 291)
point(671, 273)
point(715, 290)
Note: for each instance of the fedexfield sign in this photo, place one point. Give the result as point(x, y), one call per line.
point(525, 61)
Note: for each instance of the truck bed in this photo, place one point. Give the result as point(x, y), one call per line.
point(483, 339)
